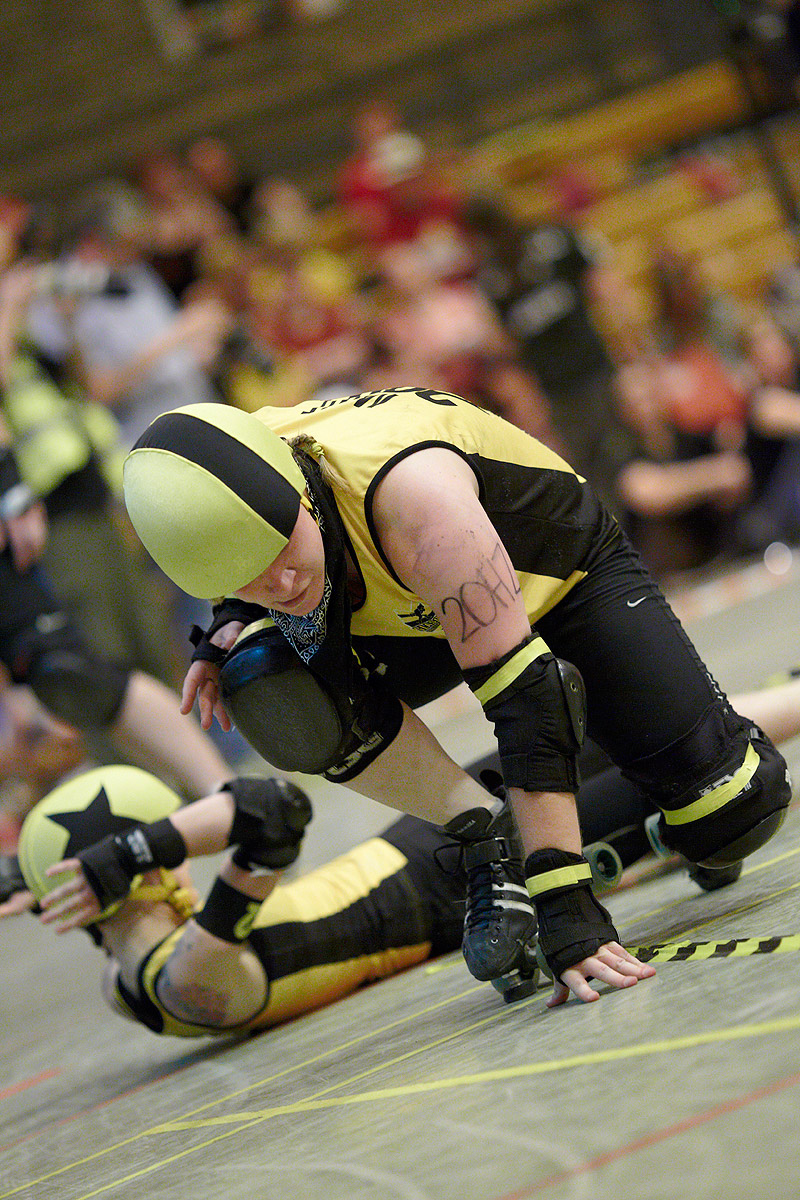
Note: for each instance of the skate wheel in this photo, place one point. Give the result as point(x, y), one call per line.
point(605, 863)
point(653, 831)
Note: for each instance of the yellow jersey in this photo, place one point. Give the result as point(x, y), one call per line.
point(546, 515)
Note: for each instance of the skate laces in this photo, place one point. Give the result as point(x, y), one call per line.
point(482, 908)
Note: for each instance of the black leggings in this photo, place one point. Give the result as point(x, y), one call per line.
point(646, 685)
point(659, 723)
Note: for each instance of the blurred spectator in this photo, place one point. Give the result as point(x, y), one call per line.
point(543, 280)
point(679, 504)
point(136, 350)
point(182, 216)
point(395, 192)
point(304, 302)
point(132, 348)
point(446, 331)
point(715, 426)
point(711, 172)
point(287, 230)
point(218, 170)
point(67, 453)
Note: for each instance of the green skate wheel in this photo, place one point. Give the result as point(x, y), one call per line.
point(653, 831)
point(605, 863)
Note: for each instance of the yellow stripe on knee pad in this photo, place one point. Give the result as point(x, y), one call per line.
point(559, 877)
point(719, 796)
point(509, 671)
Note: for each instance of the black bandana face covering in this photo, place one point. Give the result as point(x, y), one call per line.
point(323, 635)
point(307, 633)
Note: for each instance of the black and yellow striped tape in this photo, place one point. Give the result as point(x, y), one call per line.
point(733, 948)
point(676, 952)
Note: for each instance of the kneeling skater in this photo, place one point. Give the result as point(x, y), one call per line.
point(377, 550)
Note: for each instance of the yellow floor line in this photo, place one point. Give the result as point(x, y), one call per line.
point(526, 1070)
point(503, 1074)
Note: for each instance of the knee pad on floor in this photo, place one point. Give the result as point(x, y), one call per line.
point(295, 719)
point(735, 813)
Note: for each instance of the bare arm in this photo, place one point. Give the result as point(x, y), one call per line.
point(660, 489)
point(442, 544)
point(200, 323)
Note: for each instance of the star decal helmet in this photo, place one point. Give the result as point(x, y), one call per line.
point(83, 810)
point(214, 494)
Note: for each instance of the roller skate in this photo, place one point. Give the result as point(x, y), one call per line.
point(499, 943)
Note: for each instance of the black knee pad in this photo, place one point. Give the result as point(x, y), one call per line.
point(298, 721)
point(734, 809)
point(79, 689)
point(278, 705)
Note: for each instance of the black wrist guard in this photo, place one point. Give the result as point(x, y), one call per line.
point(572, 924)
point(227, 913)
point(230, 609)
point(268, 822)
point(111, 865)
point(204, 649)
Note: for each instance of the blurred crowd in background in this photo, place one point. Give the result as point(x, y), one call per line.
point(192, 279)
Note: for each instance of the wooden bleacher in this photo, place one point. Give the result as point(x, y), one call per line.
point(91, 97)
point(645, 121)
point(640, 200)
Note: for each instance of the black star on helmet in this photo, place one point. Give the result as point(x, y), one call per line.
point(88, 825)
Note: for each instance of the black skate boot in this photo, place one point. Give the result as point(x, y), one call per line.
point(499, 943)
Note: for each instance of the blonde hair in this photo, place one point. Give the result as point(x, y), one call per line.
point(331, 476)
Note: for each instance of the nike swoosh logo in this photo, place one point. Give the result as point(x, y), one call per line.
point(633, 603)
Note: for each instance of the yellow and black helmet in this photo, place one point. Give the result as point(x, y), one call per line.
point(81, 811)
point(214, 494)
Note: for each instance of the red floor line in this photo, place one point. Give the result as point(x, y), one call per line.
point(24, 1084)
point(85, 1112)
point(652, 1139)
